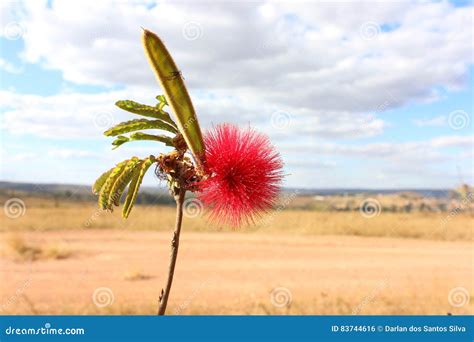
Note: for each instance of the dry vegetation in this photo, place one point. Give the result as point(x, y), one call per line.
point(235, 273)
point(21, 250)
point(54, 257)
point(45, 215)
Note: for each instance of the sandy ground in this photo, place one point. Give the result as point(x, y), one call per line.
point(122, 272)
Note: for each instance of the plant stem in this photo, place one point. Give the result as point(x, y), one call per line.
point(174, 252)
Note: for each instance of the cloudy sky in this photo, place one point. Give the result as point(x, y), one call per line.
point(354, 94)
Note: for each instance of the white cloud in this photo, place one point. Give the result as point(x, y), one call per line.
point(9, 67)
point(311, 60)
point(75, 115)
point(64, 153)
point(418, 164)
point(64, 116)
point(453, 141)
point(432, 122)
point(313, 164)
point(303, 55)
point(416, 149)
point(21, 157)
point(334, 69)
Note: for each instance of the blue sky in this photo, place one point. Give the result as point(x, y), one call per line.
point(355, 95)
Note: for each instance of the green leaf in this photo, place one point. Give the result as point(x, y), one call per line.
point(149, 111)
point(143, 136)
point(100, 181)
point(161, 101)
point(122, 181)
point(176, 93)
point(106, 189)
point(120, 140)
point(137, 178)
point(139, 124)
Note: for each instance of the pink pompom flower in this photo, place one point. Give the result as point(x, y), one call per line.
point(244, 174)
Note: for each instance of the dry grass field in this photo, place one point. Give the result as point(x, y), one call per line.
point(57, 260)
point(42, 215)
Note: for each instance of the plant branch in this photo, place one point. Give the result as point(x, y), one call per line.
point(174, 251)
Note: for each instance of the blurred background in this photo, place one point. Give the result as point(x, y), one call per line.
point(369, 103)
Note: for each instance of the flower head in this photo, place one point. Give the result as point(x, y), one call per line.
point(244, 174)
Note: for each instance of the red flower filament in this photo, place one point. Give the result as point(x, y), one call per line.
point(245, 174)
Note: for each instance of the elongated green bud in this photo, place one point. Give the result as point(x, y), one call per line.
point(176, 93)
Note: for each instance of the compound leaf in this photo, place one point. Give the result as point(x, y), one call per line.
point(137, 178)
point(122, 181)
point(143, 136)
point(120, 140)
point(139, 124)
point(100, 181)
point(106, 189)
point(149, 111)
